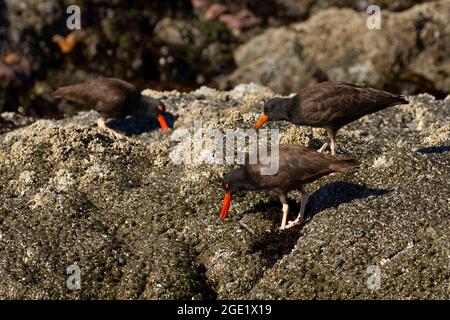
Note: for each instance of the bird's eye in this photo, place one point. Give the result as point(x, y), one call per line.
point(226, 186)
point(160, 108)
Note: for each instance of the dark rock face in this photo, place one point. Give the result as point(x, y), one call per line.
point(140, 226)
point(305, 8)
point(410, 53)
point(10, 121)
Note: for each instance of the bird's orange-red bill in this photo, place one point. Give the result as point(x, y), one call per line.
point(261, 121)
point(163, 123)
point(225, 205)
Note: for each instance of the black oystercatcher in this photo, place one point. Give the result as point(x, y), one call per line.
point(329, 105)
point(298, 165)
point(113, 98)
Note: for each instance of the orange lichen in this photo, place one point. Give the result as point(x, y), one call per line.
point(66, 44)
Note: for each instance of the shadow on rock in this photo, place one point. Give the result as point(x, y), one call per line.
point(435, 149)
point(337, 193)
point(205, 285)
point(328, 196)
point(272, 210)
point(139, 125)
point(275, 244)
point(316, 143)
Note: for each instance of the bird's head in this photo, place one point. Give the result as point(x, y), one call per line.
point(274, 109)
point(233, 182)
point(156, 109)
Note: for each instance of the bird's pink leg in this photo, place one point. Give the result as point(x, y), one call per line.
point(323, 148)
point(301, 216)
point(332, 135)
point(283, 199)
point(102, 125)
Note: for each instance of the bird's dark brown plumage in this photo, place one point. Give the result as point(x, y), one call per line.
point(329, 105)
point(112, 98)
point(298, 165)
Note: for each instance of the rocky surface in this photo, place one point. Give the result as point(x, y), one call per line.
point(305, 8)
point(409, 53)
point(140, 226)
point(185, 44)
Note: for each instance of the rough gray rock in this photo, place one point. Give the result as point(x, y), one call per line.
point(139, 226)
point(305, 8)
point(413, 47)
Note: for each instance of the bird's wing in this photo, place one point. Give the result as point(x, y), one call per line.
point(338, 101)
point(73, 93)
point(304, 163)
point(296, 163)
point(106, 95)
point(108, 90)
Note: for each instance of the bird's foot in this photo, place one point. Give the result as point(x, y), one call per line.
point(118, 135)
point(322, 149)
point(102, 125)
point(122, 136)
point(296, 222)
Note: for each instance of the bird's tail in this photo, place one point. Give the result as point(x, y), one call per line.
point(397, 100)
point(71, 93)
point(344, 165)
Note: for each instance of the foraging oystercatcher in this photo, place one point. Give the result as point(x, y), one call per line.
point(329, 105)
point(113, 98)
point(298, 165)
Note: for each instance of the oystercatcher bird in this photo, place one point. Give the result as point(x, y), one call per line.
point(298, 165)
point(329, 105)
point(113, 98)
